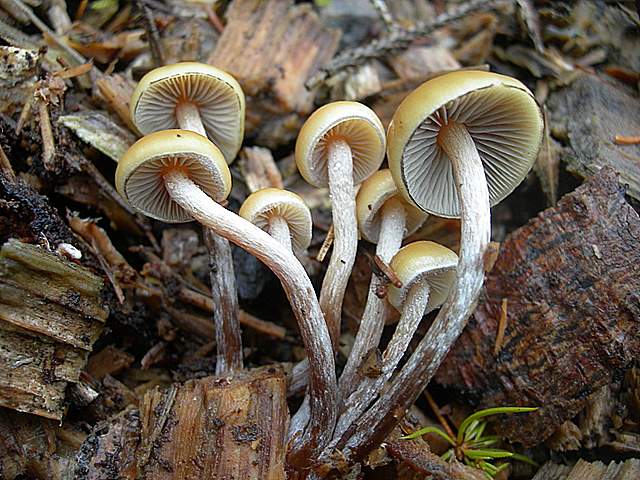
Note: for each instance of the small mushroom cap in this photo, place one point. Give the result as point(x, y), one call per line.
point(374, 192)
point(423, 261)
point(139, 176)
point(261, 206)
point(218, 96)
point(500, 114)
point(351, 121)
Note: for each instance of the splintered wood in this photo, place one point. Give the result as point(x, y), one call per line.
point(51, 312)
point(272, 47)
point(570, 277)
point(216, 427)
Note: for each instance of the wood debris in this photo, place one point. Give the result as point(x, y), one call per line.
point(51, 312)
point(572, 319)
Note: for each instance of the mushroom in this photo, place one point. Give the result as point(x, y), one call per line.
point(384, 218)
point(427, 271)
point(191, 96)
point(340, 145)
point(177, 176)
point(283, 214)
point(457, 144)
point(201, 98)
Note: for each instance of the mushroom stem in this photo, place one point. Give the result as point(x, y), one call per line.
point(373, 427)
point(279, 229)
point(188, 117)
point(226, 316)
point(345, 242)
point(392, 226)
point(413, 309)
point(297, 286)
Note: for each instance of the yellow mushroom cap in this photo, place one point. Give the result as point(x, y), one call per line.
point(218, 96)
point(261, 206)
point(139, 176)
point(500, 114)
point(354, 122)
point(374, 192)
point(419, 262)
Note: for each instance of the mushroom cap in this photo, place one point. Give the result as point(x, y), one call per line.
point(218, 96)
point(262, 205)
point(374, 192)
point(419, 262)
point(500, 114)
point(139, 176)
point(351, 121)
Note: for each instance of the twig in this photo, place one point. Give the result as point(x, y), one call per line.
point(214, 19)
point(387, 271)
point(627, 140)
point(384, 13)
point(152, 33)
point(48, 145)
point(396, 40)
point(502, 327)
point(5, 166)
point(436, 411)
point(326, 245)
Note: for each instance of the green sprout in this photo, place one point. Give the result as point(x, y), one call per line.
point(472, 446)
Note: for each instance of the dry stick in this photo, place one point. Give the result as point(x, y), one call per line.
point(205, 303)
point(48, 145)
point(5, 166)
point(326, 245)
point(392, 226)
point(152, 33)
point(299, 290)
point(226, 316)
point(383, 11)
point(436, 411)
point(396, 40)
point(375, 425)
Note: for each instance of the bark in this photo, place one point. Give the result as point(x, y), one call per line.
point(570, 277)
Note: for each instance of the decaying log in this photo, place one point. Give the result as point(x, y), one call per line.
point(216, 427)
point(570, 277)
point(51, 312)
point(271, 48)
point(589, 113)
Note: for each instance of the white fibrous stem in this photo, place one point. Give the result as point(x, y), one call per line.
point(345, 241)
point(392, 228)
point(299, 291)
point(279, 229)
point(188, 117)
point(413, 309)
point(226, 315)
point(373, 427)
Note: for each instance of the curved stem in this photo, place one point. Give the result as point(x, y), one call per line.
point(392, 228)
point(374, 426)
point(413, 310)
point(227, 315)
point(279, 229)
point(298, 288)
point(188, 117)
point(345, 242)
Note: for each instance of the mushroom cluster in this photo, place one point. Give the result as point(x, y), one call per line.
point(458, 144)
